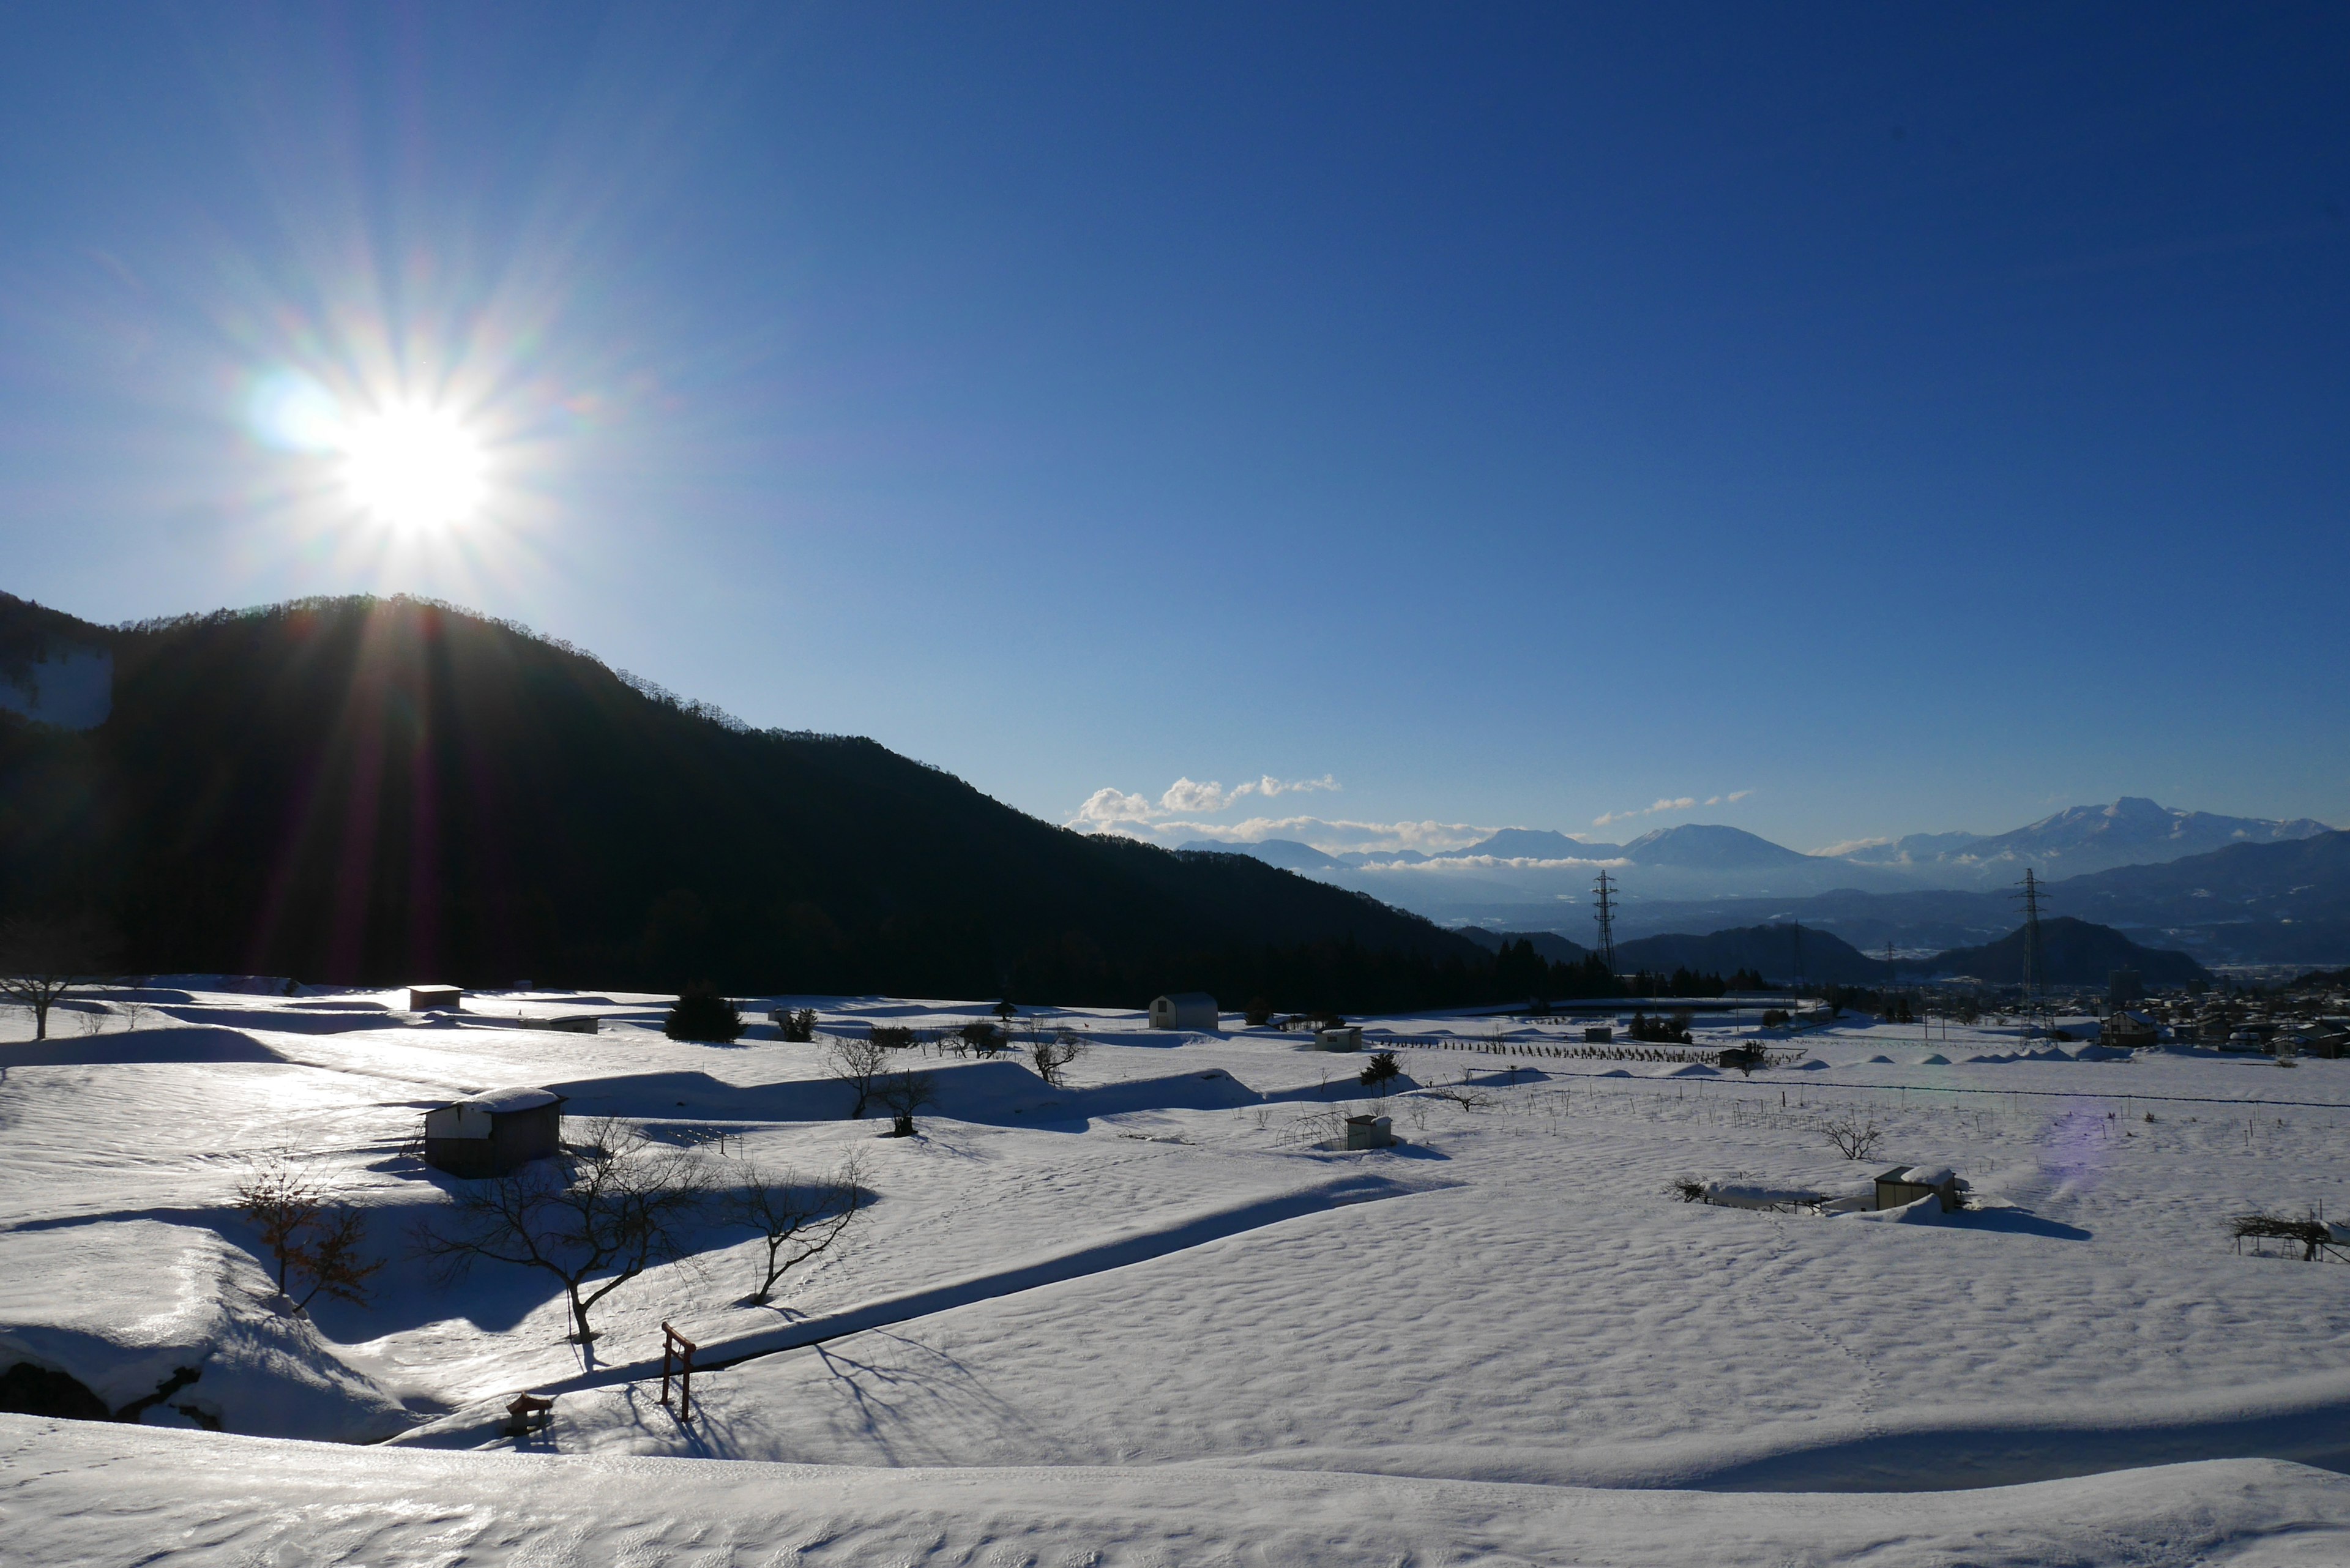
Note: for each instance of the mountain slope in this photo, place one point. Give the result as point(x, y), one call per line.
point(2072, 952)
point(1772, 951)
point(382, 791)
point(1698, 846)
point(1540, 844)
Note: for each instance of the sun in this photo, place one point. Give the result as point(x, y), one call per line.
point(414, 467)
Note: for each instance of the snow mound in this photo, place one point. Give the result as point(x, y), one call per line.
point(1878, 1061)
point(90, 1491)
point(1687, 1070)
point(1935, 1060)
point(62, 1308)
point(193, 1042)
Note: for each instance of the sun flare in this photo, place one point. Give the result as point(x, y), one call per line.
point(414, 467)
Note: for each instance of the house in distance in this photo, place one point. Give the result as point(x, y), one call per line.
point(493, 1133)
point(1184, 1010)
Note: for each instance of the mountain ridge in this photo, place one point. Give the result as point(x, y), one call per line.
point(376, 791)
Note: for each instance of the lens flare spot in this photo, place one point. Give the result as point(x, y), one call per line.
point(414, 467)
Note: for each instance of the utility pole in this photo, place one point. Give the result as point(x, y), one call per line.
point(1607, 921)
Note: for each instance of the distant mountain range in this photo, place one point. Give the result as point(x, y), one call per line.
point(2072, 952)
point(2132, 831)
point(1927, 892)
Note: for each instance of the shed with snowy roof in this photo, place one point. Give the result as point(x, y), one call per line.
point(1906, 1184)
point(1184, 1010)
point(493, 1133)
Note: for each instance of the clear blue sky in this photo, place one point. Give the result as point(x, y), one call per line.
point(1919, 417)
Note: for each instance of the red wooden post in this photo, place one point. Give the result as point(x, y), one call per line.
point(676, 1347)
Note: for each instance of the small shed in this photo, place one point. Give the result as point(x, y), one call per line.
point(425, 998)
point(1345, 1037)
point(1907, 1184)
point(1184, 1010)
point(1598, 1034)
point(491, 1134)
point(1369, 1132)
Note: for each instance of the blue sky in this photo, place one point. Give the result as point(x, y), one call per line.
point(1866, 419)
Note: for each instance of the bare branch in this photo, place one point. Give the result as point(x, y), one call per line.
point(611, 1207)
point(805, 1217)
point(857, 1063)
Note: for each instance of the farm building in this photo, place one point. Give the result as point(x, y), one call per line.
point(425, 998)
point(491, 1134)
point(1184, 1010)
point(1345, 1037)
point(1907, 1184)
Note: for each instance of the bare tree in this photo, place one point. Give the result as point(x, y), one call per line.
point(43, 960)
point(1054, 1057)
point(903, 1093)
point(804, 1217)
point(308, 1235)
point(1853, 1137)
point(594, 1218)
point(857, 1063)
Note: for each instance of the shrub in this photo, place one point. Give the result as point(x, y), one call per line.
point(892, 1036)
point(981, 1038)
point(1380, 1070)
point(1052, 1057)
point(702, 1014)
point(797, 1025)
point(903, 1095)
point(1258, 1014)
point(1853, 1137)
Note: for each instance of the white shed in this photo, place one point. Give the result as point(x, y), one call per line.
point(1184, 1010)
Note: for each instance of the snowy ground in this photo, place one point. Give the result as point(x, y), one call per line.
point(1151, 1316)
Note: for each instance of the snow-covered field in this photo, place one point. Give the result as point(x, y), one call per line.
point(1154, 1317)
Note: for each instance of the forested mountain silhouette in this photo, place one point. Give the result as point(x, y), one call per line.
point(373, 791)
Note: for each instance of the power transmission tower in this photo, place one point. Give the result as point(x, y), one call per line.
point(1606, 919)
point(2036, 964)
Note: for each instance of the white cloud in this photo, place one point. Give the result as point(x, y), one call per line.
point(1668, 803)
point(1186, 797)
point(1850, 845)
point(1332, 836)
point(1106, 807)
point(1270, 786)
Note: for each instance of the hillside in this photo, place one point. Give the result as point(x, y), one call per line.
point(362, 791)
point(1772, 951)
point(2073, 953)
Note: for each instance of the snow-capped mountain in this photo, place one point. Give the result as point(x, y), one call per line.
point(2132, 831)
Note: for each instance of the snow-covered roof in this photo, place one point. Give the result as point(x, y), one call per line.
point(498, 1102)
point(1926, 1174)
